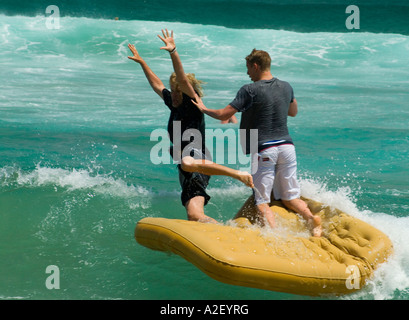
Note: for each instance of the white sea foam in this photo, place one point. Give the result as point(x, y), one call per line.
point(72, 180)
point(232, 191)
point(391, 279)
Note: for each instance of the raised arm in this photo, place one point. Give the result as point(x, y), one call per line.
point(181, 77)
point(156, 84)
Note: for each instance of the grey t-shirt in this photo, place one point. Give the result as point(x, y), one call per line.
point(264, 105)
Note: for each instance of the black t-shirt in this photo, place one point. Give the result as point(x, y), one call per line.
point(190, 117)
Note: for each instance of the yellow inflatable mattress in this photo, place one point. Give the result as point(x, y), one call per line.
point(286, 259)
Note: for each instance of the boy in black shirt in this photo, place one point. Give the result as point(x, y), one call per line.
point(195, 169)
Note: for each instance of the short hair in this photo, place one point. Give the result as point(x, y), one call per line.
point(260, 57)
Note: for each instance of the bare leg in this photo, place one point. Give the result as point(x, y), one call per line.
point(210, 168)
point(256, 214)
point(265, 212)
point(195, 210)
point(301, 207)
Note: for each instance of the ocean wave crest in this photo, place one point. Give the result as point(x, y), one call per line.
point(71, 180)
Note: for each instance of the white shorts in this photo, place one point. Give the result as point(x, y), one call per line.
point(275, 169)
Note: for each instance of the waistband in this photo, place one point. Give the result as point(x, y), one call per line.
point(273, 143)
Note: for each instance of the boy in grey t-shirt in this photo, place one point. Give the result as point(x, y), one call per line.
point(265, 105)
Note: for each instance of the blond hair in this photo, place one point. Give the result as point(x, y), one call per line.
point(260, 57)
point(196, 84)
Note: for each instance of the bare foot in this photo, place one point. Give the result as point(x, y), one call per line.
point(246, 178)
point(207, 219)
point(316, 226)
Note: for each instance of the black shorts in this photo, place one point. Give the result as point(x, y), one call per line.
point(193, 184)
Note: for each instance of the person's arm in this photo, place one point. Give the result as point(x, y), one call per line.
point(156, 84)
point(181, 77)
point(220, 114)
point(293, 110)
point(233, 119)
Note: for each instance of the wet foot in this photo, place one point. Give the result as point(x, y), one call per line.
point(316, 226)
point(207, 219)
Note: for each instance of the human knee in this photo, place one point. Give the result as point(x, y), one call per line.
point(194, 215)
point(187, 163)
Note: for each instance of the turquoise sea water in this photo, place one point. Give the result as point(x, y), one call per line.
point(76, 119)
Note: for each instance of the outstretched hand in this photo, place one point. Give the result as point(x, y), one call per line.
point(136, 57)
point(199, 103)
point(168, 40)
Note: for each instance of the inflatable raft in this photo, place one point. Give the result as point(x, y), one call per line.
point(286, 260)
